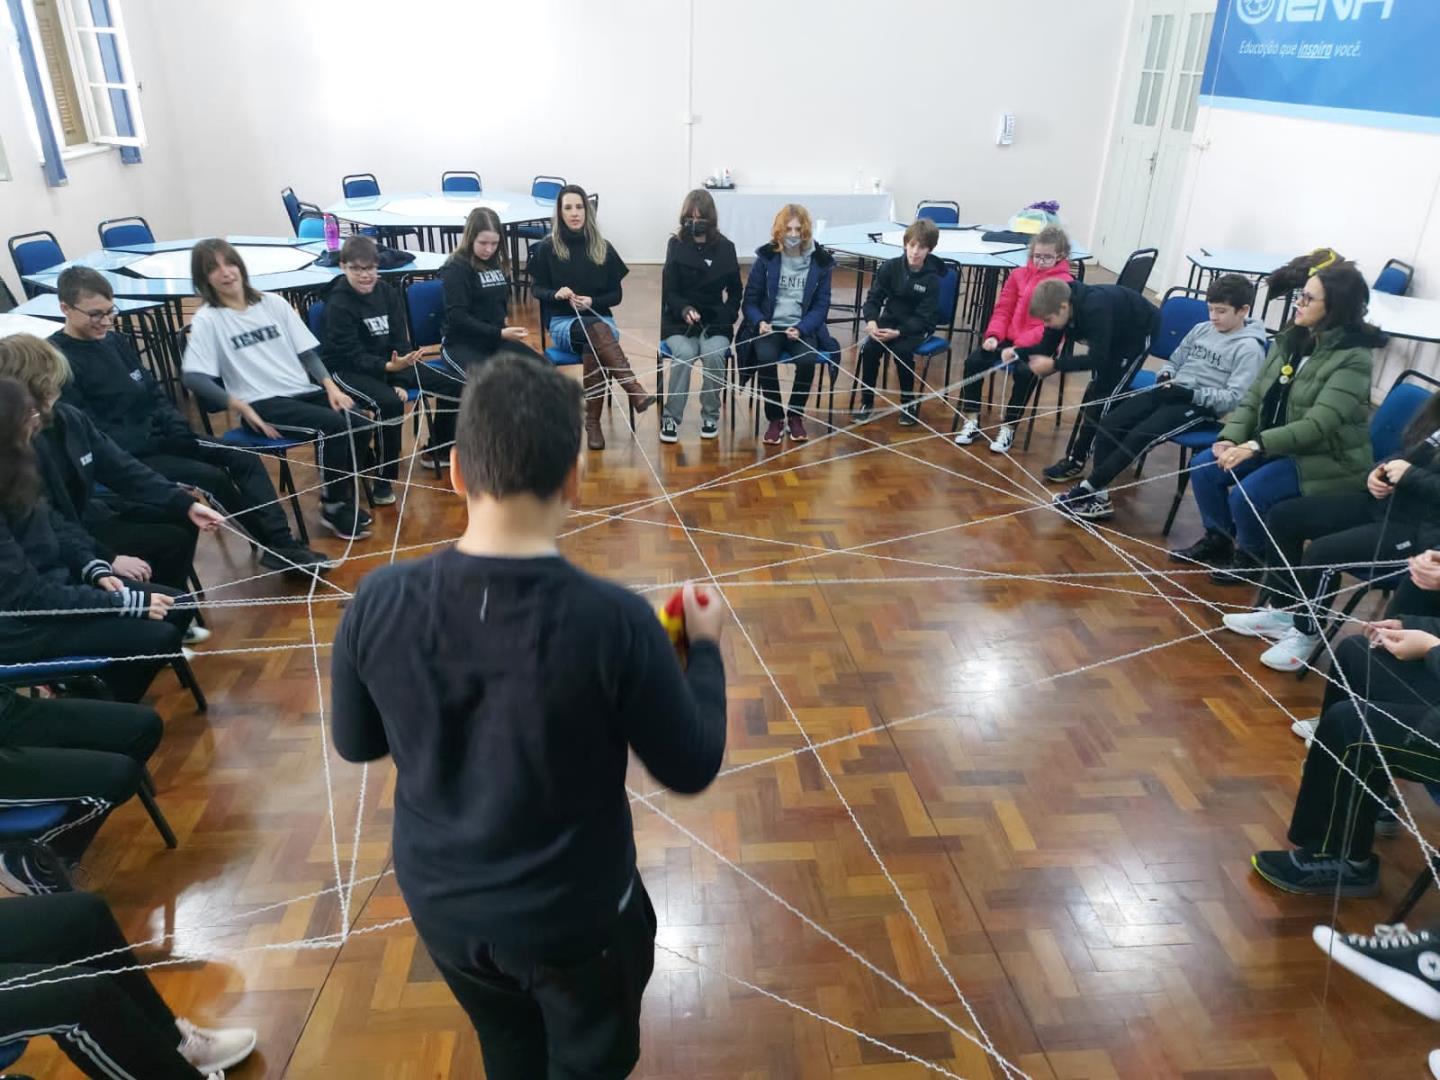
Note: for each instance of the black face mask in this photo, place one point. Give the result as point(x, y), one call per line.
point(696, 228)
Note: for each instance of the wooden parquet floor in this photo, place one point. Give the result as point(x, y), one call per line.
point(1067, 806)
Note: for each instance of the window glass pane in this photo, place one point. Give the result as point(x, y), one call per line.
point(1153, 43)
point(1143, 98)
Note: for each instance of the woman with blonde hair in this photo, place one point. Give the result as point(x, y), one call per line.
point(576, 273)
point(787, 297)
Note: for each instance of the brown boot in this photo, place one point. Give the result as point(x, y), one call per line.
point(594, 385)
point(617, 365)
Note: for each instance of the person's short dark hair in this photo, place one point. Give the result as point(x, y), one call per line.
point(519, 427)
point(1232, 289)
point(360, 249)
point(924, 232)
point(1049, 297)
point(77, 280)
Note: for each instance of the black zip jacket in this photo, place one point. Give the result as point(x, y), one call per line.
point(476, 304)
point(362, 331)
point(74, 455)
point(549, 273)
point(1115, 323)
point(904, 299)
point(1416, 498)
point(110, 385)
point(49, 564)
point(703, 276)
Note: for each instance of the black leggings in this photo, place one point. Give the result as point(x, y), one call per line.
point(1136, 424)
point(902, 350)
point(768, 352)
point(1022, 383)
point(1332, 814)
point(239, 484)
point(309, 415)
point(1343, 532)
point(379, 396)
point(113, 1026)
point(89, 753)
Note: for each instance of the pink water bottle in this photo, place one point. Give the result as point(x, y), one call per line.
point(332, 233)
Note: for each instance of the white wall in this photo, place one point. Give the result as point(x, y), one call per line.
point(246, 98)
point(1277, 184)
point(99, 185)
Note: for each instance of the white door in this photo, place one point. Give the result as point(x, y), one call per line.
point(1153, 128)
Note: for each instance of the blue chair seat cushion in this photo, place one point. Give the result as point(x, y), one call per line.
point(1200, 438)
point(562, 357)
point(247, 440)
point(932, 345)
point(27, 822)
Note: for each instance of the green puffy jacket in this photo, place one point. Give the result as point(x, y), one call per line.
point(1326, 429)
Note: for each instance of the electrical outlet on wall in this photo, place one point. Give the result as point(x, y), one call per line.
point(1005, 131)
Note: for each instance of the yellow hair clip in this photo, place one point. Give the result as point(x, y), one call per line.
point(1331, 257)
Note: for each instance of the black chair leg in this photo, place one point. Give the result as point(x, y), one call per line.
point(287, 489)
point(1181, 483)
point(1415, 892)
point(183, 672)
point(146, 795)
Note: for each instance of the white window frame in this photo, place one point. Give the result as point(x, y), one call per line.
point(87, 67)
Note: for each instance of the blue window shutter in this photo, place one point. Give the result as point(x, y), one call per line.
point(30, 65)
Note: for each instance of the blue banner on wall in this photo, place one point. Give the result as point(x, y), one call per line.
point(1374, 62)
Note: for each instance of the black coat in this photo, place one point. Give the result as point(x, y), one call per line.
point(74, 455)
point(705, 277)
point(362, 331)
point(906, 300)
point(549, 273)
point(48, 564)
point(1116, 323)
point(110, 385)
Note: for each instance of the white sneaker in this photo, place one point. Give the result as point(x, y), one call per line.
point(1266, 623)
point(196, 635)
point(1306, 729)
point(213, 1049)
point(1435, 1064)
point(967, 434)
point(1003, 440)
point(1291, 651)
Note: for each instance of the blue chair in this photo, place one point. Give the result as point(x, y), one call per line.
point(425, 309)
point(297, 209)
point(1394, 278)
point(460, 181)
point(562, 357)
point(10, 1053)
point(934, 345)
point(44, 672)
point(541, 187)
point(121, 232)
point(33, 252)
point(940, 211)
point(359, 185)
point(311, 227)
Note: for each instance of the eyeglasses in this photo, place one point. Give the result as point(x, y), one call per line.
point(98, 316)
point(356, 268)
point(1305, 299)
point(1045, 260)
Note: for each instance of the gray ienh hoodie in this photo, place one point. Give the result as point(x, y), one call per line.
point(1218, 368)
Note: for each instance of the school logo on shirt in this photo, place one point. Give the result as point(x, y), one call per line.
point(793, 281)
point(490, 279)
point(378, 325)
point(920, 287)
point(135, 374)
point(254, 337)
point(86, 459)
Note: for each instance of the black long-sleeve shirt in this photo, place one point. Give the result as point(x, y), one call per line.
point(361, 331)
point(1114, 321)
point(549, 274)
point(904, 299)
point(476, 304)
point(109, 384)
point(508, 692)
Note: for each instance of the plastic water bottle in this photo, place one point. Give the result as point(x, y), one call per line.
point(332, 233)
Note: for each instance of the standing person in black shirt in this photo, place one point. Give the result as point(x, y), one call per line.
point(110, 385)
point(901, 311)
point(575, 273)
point(699, 303)
point(367, 348)
point(509, 687)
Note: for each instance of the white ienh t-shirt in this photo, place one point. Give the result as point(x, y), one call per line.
point(255, 352)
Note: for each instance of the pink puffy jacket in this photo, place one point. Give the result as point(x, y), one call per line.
point(1011, 320)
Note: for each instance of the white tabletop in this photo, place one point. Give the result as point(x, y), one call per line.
point(259, 259)
point(1405, 316)
point(747, 213)
point(10, 323)
point(958, 242)
point(440, 209)
point(1237, 261)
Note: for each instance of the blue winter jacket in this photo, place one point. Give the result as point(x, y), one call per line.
point(764, 282)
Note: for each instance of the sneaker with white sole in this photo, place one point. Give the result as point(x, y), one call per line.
point(28, 872)
point(1401, 962)
point(1004, 439)
point(1306, 729)
point(1291, 652)
point(1081, 502)
point(213, 1049)
point(709, 429)
point(1310, 873)
point(1265, 623)
point(196, 634)
point(1434, 1062)
point(967, 434)
point(669, 430)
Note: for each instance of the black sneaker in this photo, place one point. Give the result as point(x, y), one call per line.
point(1387, 825)
point(1083, 503)
point(1244, 569)
point(1401, 962)
point(1305, 872)
point(345, 520)
point(296, 559)
point(1063, 470)
point(439, 460)
point(31, 872)
point(669, 430)
point(709, 429)
point(909, 415)
point(1212, 549)
point(865, 412)
point(382, 493)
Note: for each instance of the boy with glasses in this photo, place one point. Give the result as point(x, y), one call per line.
point(110, 385)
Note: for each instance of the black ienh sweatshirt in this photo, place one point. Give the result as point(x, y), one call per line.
point(476, 304)
point(363, 330)
point(509, 693)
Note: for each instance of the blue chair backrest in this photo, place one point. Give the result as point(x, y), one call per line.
point(12, 1052)
point(460, 181)
point(126, 232)
point(292, 207)
point(1141, 380)
point(1393, 279)
point(316, 318)
point(1387, 427)
point(359, 187)
point(31, 821)
point(1178, 316)
point(311, 228)
point(546, 187)
point(36, 254)
point(425, 302)
point(949, 292)
point(942, 213)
